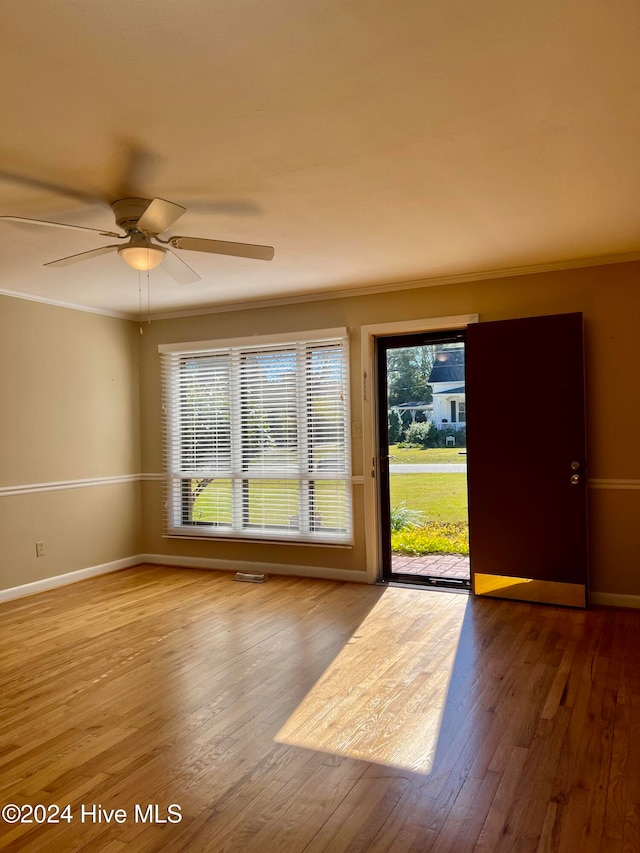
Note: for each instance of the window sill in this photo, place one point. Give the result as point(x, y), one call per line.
point(304, 543)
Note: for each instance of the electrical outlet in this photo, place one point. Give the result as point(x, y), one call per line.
point(39, 549)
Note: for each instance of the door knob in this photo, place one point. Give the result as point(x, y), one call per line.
point(575, 466)
point(576, 479)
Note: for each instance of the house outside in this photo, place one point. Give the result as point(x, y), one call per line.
point(448, 386)
point(447, 409)
point(414, 407)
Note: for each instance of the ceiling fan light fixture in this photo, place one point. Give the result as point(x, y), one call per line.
point(142, 257)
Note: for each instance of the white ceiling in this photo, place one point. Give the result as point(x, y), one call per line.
point(369, 141)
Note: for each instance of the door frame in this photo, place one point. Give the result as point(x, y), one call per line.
point(384, 346)
point(370, 438)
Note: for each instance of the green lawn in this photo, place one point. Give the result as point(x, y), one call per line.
point(272, 503)
point(432, 455)
point(442, 499)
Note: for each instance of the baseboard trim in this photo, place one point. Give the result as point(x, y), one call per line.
point(614, 599)
point(608, 599)
point(320, 572)
point(68, 578)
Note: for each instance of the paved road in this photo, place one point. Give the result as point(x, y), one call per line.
point(453, 468)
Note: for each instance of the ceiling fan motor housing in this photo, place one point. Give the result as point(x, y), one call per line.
point(128, 211)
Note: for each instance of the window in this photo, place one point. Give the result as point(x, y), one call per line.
point(462, 411)
point(257, 438)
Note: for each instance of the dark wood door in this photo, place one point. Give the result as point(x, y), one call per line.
point(526, 463)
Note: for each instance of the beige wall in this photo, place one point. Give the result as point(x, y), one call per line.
point(608, 296)
point(80, 396)
point(69, 397)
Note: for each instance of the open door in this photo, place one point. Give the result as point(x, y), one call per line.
point(422, 451)
point(527, 459)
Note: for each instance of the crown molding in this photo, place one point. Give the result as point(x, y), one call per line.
point(342, 293)
point(414, 284)
point(59, 303)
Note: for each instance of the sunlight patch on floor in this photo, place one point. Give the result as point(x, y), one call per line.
point(382, 698)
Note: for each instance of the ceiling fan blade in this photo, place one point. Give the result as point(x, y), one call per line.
point(178, 269)
point(222, 247)
point(51, 187)
point(232, 207)
point(61, 225)
point(159, 216)
point(83, 256)
point(134, 167)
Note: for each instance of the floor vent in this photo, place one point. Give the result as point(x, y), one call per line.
point(250, 577)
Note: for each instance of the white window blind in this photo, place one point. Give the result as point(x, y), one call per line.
point(257, 439)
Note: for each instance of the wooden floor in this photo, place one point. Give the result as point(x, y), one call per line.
point(304, 715)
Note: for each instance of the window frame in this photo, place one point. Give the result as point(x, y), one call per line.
point(305, 475)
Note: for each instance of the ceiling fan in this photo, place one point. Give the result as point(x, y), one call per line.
point(143, 220)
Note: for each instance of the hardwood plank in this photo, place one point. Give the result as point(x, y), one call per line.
point(306, 715)
point(495, 828)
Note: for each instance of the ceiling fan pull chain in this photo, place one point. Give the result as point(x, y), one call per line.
point(140, 300)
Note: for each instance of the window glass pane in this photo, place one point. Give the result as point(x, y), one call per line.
point(268, 411)
point(272, 503)
point(329, 505)
point(203, 398)
point(206, 501)
point(326, 409)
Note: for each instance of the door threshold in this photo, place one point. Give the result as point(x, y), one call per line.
point(435, 587)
